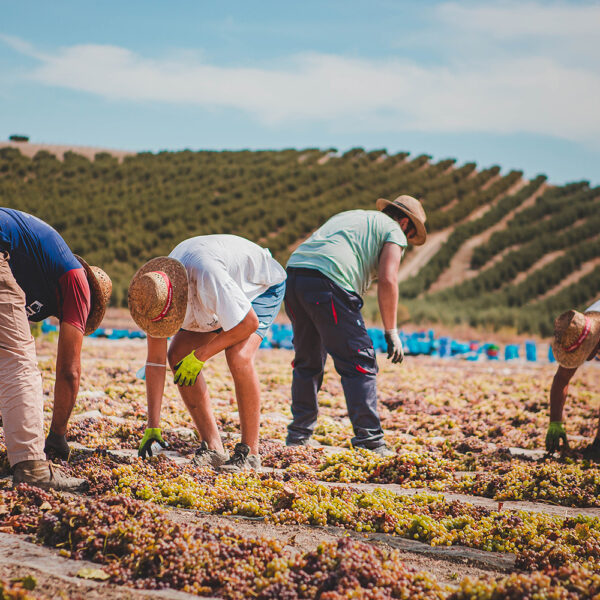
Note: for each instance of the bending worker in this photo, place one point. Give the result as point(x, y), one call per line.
point(327, 275)
point(212, 293)
point(41, 277)
point(576, 340)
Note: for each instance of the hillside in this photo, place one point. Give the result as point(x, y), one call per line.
point(502, 251)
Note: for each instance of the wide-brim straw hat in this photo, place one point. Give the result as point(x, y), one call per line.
point(158, 296)
point(576, 335)
point(414, 211)
point(100, 291)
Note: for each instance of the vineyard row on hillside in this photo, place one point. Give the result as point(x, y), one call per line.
point(119, 215)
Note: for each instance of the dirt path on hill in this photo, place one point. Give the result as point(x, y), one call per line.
point(538, 264)
point(585, 269)
point(459, 269)
point(30, 150)
point(421, 255)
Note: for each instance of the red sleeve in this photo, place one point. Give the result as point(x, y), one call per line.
point(75, 296)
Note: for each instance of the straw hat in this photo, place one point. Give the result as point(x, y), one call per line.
point(575, 337)
point(100, 289)
point(414, 211)
point(158, 295)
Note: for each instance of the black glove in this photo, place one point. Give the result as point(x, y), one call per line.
point(394, 346)
point(56, 446)
point(592, 452)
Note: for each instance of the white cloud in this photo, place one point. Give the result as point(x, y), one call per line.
point(567, 33)
point(19, 45)
point(510, 19)
point(507, 93)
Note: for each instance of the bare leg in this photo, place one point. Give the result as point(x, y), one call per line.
point(196, 397)
point(240, 359)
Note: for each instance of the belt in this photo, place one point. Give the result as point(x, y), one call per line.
point(308, 272)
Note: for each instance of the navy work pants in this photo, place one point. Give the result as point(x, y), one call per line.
point(326, 320)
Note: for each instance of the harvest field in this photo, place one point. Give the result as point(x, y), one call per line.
point(468, 507)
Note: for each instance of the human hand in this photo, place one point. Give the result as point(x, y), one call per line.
point(187, 370)
point(556, 433)
point(592, 452)
point(56, 446)
point(394, 346)
point(152, 434)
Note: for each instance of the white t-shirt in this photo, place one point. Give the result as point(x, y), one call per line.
point(225, 273)
point(594, 307)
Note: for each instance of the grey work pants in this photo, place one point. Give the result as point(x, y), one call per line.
point(326, 320)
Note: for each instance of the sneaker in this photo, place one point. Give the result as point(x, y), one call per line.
point(47, 476)
point(383, 451)
point(241, 460)
point(303, 442)
point(295, 443)
point(205, 457)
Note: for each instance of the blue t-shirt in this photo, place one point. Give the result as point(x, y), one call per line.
point(43, 266)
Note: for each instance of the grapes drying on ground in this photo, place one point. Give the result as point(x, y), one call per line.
point(450, 434)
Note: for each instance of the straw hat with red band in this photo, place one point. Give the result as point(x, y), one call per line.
point(158, 295)
point(576, 336)
point(100, 291)
point(414, 211)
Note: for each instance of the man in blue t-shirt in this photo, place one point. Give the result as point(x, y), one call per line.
point(41, 277)
point(327, 275)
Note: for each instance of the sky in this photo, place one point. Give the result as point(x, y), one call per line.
point(515, 84)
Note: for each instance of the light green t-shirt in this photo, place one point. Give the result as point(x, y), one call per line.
point(347, 247)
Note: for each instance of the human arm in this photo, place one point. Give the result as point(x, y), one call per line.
point(558, 396)
point(155, 378)
point(225, 339)
point(188, 368)
point(66, 386)
point(387, 297)
point(74, 293)
point(387, 284)
point(68, 375)
point(156, 365)
point(559, 392)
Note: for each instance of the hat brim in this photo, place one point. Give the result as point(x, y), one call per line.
point(421, 233)
point(99, 298)
point(171, 323)
point(572, 360)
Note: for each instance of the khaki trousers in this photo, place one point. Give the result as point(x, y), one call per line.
point(21, 394)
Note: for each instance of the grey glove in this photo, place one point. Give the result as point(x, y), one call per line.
point(394, 346)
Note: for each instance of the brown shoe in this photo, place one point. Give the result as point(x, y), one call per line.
point(45, 475)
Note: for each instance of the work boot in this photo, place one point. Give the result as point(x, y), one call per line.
point(47, 476)
point(383, 451)
point(205, 457)
point(309, 442)
point(241, 460)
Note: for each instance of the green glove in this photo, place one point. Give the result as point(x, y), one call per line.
point(152, 434)
point(556, 432)
point(187, 370)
